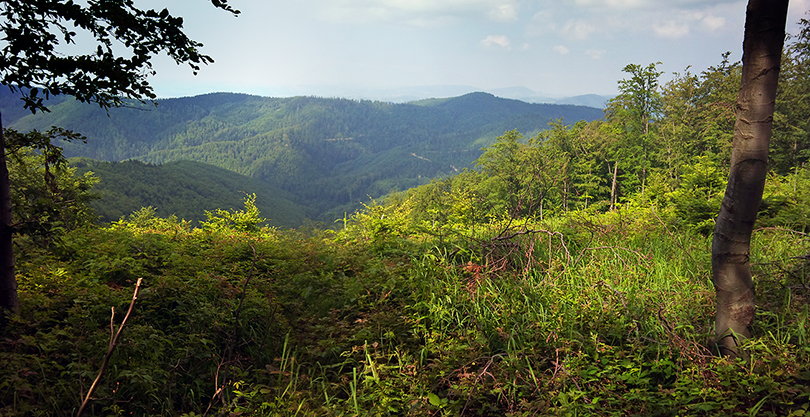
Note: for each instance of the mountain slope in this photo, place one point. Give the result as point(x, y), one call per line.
point(183, 188)
point(590, 100)
point(325, 152)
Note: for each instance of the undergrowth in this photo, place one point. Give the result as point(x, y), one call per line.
point(589, 314)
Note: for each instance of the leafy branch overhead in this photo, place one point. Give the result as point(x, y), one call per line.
point(37, 33)
point(41, 57)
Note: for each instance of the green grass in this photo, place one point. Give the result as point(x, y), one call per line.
point(592, 315)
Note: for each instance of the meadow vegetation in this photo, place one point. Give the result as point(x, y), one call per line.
point(582, 314)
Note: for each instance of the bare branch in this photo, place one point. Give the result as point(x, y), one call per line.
point(111, 346)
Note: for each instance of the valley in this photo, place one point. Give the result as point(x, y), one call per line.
point(326, 155)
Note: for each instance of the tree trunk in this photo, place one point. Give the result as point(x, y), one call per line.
point(614, 185)
point(8, 282)
point(731, 269)
point(541, 207)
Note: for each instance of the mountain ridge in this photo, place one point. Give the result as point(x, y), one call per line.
point(328, 153)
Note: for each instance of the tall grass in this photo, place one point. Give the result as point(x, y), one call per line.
point(577, 316)
point(569, 323)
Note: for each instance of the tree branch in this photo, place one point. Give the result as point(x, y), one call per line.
point(111, 346)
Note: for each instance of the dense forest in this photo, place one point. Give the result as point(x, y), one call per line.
point(326, 154)
point(185, 189)
point(567, 273)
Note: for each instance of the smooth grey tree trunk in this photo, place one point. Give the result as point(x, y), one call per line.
point(731, 268)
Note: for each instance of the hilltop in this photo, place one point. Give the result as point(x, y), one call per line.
point(328, 154)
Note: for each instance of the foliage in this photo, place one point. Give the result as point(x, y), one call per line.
point(697, 198)
point(582, 313)
point(790, 146)
point(184, 189)
point(39, 58)
point(247, 220)
point(215, 308)
point(325, 154)
point(126, 39)
point(783, 204)
point(48, 196)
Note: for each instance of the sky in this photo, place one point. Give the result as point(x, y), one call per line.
point(380, 48)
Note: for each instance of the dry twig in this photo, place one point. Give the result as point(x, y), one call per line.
point(111, 346)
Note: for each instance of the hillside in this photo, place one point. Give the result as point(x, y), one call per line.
point(183, 188)
point(329, 154)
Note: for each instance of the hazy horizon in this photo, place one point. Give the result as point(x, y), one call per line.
point(404, 94)
point(364, 48)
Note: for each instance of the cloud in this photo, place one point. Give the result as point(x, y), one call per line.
point(713, 23)
point(671, 30)
point(577, 21)
point(503, 12)
point(617, 4)
point(595, 53)
point(649, 4)
point(578, 29)
point(561, 49)
point(496, 40)
point(410, 11)
point(542, 23)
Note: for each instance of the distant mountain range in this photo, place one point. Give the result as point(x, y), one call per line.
point(324, 155)
point(530, 96)
point(416, 93)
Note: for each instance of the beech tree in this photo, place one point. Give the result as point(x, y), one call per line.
point(731, 269)
point(36, 59)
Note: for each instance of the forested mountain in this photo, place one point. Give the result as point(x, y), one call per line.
point(328, 153)
point(591, 100)
point(185, 189)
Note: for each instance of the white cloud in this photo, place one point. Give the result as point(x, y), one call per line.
point(503, 12)
point(578, 29)
point(671, 30)
point(561, 49)
point(409, 11)
point(713, 23)
point(617, 4)
point(589, 19)
point(649, 4)
point(595, 53)
point(496, 40)
point(544, 16)
point(542, 23)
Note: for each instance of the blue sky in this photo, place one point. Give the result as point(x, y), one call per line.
point(367, 47)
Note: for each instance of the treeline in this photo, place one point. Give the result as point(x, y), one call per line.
point(666, 145)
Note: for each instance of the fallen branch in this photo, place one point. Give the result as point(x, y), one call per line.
point(503, 237)
point(111, 346)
